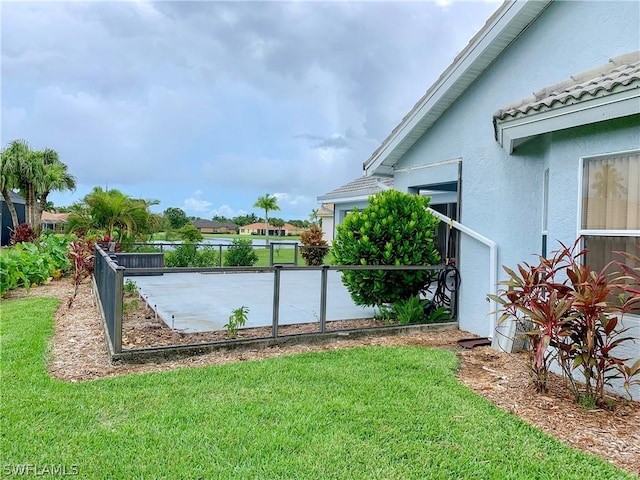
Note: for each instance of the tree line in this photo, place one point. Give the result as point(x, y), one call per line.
point(34, 174)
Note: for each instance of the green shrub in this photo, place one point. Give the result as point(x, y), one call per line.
point(190, 234)
point(207, 257)
point(27, 264)
point(410, 310)
point(395, 229)
point(240, 254)
point(188, 255)
point(314, 246)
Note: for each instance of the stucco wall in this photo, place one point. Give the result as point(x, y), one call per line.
point(502, 194)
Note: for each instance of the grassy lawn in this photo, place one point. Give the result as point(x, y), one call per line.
point(374, 412)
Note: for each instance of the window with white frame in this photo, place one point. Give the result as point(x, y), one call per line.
point(610, 207)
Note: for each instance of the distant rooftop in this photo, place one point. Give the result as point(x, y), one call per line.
point(361, 187)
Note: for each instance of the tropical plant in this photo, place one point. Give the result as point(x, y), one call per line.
point(113, 213)
point(394, 229)
point(28, 264)
point(570, 313)
point(314, 248)
point(23, 233)
point(35, 174)
point(410, 310)
point(237, 319)
point(240, 254)
point(267, 203)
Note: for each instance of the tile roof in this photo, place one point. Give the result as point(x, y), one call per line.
point(620, 74)
point(261, 226)
point(326, 210)
point(363, 186)
point(48, 217)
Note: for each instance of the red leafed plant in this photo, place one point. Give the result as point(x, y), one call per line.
point(314, 246)
point(81, 254)
point(571, 314)
point(23, 233)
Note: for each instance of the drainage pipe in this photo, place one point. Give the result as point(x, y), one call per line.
point(493, 263)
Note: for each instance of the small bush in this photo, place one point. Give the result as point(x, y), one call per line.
point(240, 254)
point(571, 314)
point(188, 255)
point(314, 248)
point(23, 233)
point(395, 229)
point(237, 319)
point(184, 255)
point(410, 310)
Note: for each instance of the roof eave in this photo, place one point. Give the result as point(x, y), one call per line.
point(504, 26)
point(512, 132)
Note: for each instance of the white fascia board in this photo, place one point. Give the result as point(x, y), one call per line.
point(345, 199)
point(482, 50)
point(512, 133)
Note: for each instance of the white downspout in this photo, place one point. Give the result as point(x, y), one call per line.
point(493, 265)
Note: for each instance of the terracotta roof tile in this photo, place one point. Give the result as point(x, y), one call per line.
point(621, 73)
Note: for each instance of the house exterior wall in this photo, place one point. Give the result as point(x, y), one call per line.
point(501, 195)
point(341, 210)
point(5, 220)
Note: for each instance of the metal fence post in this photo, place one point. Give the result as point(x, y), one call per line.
point(295, 254)
point(117, 330)
point(276, 298)
point(323, 297)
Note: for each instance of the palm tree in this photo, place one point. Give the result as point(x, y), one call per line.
point(115, 213)
point(12, 157)
point(267, 203)
point(54, 177)
point(35, 174)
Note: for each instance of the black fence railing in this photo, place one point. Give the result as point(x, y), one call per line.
point(280, 252)
point(108, 277)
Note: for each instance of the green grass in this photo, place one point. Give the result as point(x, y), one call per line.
point(371, 412)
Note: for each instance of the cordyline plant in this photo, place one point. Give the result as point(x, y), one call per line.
point(81, 254)
point(571, 314)
point(314, 248)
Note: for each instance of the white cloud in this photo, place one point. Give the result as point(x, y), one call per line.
point(193, 205)
point(227, 211)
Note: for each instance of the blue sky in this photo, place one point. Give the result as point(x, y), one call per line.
point(208, 105)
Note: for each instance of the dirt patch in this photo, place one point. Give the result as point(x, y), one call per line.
point(78, 353)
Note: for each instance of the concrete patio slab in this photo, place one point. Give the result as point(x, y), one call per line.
point(201, 302)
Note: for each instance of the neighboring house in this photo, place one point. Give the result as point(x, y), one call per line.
point(260, 228)
point(207, 226)
point(349, 196)
point(325, 215)
point(5, 216)
point(54, 221)
point(524, 172)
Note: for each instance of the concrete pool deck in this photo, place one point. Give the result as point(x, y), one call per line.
point(202, 302)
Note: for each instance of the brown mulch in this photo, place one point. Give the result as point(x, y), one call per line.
point(78, 353)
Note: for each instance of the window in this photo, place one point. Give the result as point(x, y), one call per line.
point(610, 213)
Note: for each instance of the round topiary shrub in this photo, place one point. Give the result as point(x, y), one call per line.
point(395, 229)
